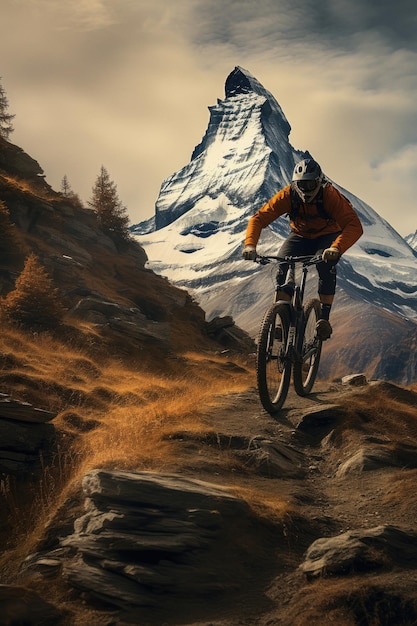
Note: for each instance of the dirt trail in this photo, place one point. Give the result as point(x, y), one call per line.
point(326, 504)
point(323, 495)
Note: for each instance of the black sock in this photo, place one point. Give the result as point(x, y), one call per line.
point(325, 311)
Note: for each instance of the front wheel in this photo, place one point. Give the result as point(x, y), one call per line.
point(306, 368)
point(273, 369)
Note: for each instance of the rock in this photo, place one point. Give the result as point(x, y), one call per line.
point(148, 539)
point(402, 455)
point(318, 422)
point(218, 323)
point(269, 458)
point(225, 331)
point(360, 551)
point(363, 460)
point(23, 411)
point(406, 396)
point(25, 436)
point(355, 380)
point(126, 320)
point(14, 160)
point(273, 459)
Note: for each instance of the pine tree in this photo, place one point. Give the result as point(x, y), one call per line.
point(34, 303)
point(6, 127)
point(66, 187)
point(111, 213)
point(67, 192)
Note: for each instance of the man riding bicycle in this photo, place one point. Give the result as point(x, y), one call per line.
point(321, 219)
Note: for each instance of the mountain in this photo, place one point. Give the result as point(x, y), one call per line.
point(411, 239)
point(195, 238)
point(129, 307)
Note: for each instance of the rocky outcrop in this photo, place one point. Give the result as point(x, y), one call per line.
point(15, 161)
point(360, 551)
point(148, 539)
point(225, 331)
point(129, 321)
point(26, 436)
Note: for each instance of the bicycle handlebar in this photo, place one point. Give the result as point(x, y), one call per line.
point(305, 260)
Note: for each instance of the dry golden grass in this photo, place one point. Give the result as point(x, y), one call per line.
point(352, 601)
point(28, 186)
point(109, 414)
point(393, 411)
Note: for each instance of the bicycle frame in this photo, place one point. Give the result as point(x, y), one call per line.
point(283, 346)
point(294, 345)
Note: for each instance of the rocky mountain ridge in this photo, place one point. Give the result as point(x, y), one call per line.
point(200, 220)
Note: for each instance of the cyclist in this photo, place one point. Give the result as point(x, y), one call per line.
point(321, 220)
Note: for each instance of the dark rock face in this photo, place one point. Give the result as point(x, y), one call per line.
point(150, 540)
point(126, 320)
point(25, 435)
point(15, 160)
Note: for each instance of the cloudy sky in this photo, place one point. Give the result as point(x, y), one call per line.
point(127, 84)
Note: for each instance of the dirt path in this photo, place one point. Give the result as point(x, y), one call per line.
point(326, 503)
point(345, 462)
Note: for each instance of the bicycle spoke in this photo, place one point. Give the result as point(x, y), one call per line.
point(273, 368)
point(305, 371)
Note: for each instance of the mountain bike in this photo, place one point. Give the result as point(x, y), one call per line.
point(287, 340)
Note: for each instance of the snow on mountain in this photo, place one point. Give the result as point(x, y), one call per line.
point(202, 211)
point(412, 240)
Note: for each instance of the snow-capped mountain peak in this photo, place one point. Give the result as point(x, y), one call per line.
point(202, 212)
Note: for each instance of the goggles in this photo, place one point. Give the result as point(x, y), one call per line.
point(307, 185)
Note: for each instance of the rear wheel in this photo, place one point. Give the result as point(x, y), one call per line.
point(273, 370)
point(305, 370)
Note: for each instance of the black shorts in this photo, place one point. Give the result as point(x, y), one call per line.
point(295, 245)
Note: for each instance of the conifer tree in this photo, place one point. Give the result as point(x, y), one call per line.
point(34, 303)
point(111, 213)
point(6, 127)
point(67, 191)
point(66, 187)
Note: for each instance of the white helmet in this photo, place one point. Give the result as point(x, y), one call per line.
point(307, 179)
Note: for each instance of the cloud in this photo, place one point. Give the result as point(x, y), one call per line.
point(127, 84)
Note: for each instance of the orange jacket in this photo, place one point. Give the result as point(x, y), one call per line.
point(308, 222)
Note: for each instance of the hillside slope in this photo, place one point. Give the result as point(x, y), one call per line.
point(167, 496)
point(85, 264)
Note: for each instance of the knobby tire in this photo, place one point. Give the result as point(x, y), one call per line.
point(305, 371)
point(273, 371)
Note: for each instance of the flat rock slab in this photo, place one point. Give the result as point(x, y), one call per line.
point(23, 411)
point(361, 551)
point(153, 489)
point(147, 539)
point(316, 423)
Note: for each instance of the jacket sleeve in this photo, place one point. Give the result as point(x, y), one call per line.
point(275, 207)
point(345, 215)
